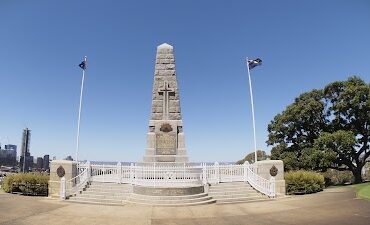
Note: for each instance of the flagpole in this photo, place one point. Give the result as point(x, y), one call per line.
point(254, 123)
point(79, 110)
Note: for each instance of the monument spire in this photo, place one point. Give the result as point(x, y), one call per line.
point(165, 139)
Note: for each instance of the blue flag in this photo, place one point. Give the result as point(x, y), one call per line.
point(253, 63)
point(82, 65)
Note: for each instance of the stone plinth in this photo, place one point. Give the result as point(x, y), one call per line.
point(165, 139)
point(167, 191)
point(70, 169)
point(263, 170)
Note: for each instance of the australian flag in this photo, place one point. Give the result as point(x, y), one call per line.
point(82, 65)
point(254, 62)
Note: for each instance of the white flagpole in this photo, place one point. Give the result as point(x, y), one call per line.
point(254, 123)
point(79, 110)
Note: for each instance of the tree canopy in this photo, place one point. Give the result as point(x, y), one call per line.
point(327, 128)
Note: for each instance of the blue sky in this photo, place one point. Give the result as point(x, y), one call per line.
point(303, 45)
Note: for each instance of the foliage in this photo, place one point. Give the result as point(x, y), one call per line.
point(27, 183)
point(322, 129)
point(261, 155)
point(304, 182)
point(335, 177)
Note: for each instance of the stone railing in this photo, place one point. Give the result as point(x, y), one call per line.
point(169, 175)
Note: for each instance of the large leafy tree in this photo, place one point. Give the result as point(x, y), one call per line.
point(327, 128)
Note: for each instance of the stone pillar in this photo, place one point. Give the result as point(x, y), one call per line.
point(70, 171)
point(263, 170)
point(165, 139)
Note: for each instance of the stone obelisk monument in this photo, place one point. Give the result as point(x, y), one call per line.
point(165, 139)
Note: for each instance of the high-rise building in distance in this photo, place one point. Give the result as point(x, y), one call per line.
point(46, 162)
point(26, 160)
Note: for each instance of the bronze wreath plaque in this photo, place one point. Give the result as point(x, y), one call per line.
point(60, 171)
point(166, 127)
point(273, 171)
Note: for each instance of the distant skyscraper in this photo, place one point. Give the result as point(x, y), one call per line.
point(46, 162)
point(26, 160)
point(10, 147)
point(40, 163)
point(8, 156)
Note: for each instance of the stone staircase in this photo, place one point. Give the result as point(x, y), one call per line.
point(235, 192)
point(118, 194)
point(103, 193)
point(182, 200)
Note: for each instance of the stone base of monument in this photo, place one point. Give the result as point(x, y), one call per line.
point(167, 196)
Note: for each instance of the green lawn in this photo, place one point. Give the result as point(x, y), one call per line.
point(362, 190)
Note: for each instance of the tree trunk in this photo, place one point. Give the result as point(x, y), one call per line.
point(357, 174)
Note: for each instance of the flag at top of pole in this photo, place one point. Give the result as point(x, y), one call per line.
point(254, 62)
point(251, 64)
point(83, 64)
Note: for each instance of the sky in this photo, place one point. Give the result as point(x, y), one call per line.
point(303, 44)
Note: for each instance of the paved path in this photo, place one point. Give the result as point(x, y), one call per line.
point(333, 206)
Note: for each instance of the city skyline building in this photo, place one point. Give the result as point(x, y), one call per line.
point(8, 155)
point(26, 160)
point(46, 163)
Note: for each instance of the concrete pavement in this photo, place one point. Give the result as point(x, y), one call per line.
point(333, 206)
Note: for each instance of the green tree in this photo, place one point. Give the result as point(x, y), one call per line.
point(261, 155)
point(327, 128)
point(293, 132)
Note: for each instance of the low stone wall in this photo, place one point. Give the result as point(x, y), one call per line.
point(70, 171)
point(263, 170)
point(176, 191)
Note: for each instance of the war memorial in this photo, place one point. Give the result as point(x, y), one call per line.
point(165, 177)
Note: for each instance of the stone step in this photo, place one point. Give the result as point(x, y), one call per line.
point(175, 204)
point(236, 195)
point(105, 184)
point(242, 189)
point(92, 192)
point(179, 197)
point(108, 188)
point(231, 191)
point(169, 201)
point(241, 200)
point(99, 196)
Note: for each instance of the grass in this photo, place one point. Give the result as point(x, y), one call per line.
point(362, 190)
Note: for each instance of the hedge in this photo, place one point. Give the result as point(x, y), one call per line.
point(304, 182)
point(26, 183)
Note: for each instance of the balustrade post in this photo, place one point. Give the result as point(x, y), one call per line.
point(246, 171)
point(155, 178)
point(217, 172)
point(132, 173)
point(103, 173)
point(63, 188)
point(88, 171)
point(119, 172)
point(272, 187)
point(204, 170)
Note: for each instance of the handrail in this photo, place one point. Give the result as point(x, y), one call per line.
point(259, 183)
point(75, 184)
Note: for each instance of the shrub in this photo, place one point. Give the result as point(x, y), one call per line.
point(335, 177)
point(27, 183)
point(304, 182)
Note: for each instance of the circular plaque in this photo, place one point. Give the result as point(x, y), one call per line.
point(60, 171)
point(273, 171)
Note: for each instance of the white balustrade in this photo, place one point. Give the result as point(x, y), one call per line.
point(169, 175)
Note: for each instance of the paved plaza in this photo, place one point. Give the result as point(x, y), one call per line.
point(332, 206)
